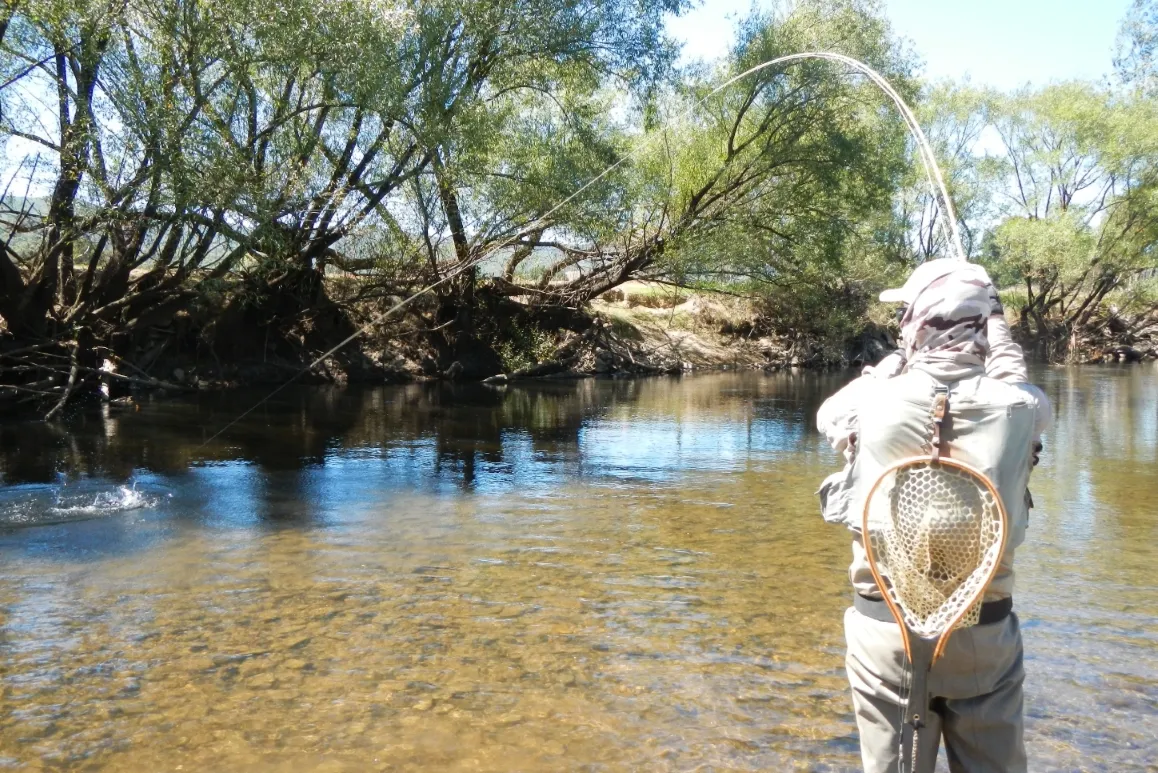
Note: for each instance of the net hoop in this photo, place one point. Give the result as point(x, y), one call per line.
point(894, 608)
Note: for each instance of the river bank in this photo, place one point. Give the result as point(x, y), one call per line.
point(638, 329)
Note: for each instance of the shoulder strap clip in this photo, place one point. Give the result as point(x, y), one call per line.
point(940, 411)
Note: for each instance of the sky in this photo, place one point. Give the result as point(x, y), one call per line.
point(1005, 44)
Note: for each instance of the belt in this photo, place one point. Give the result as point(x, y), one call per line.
point(877, 609)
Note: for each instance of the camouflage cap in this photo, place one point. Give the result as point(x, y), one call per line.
point(924, 275)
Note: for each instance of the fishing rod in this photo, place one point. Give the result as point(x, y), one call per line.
point(924, 149)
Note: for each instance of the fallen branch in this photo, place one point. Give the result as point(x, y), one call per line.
point(152, 383)
point(73, 372)
point(28, 349)
point(538, 370)
point(29, 390)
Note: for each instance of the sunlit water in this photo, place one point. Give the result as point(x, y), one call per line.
point(599, 576)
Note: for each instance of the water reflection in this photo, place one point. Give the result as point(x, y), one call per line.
point(433, 437)
point(602, 575)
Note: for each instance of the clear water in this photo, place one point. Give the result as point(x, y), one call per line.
point(592, 576)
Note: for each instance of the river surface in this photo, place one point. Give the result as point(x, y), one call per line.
point(591, 576)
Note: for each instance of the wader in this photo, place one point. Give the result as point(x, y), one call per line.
point(976, 689)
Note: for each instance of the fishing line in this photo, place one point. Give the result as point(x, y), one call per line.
point(928, 161)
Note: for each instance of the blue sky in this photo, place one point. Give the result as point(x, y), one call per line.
point(999, 43)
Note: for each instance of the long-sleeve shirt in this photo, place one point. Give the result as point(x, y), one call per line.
point(868, 401)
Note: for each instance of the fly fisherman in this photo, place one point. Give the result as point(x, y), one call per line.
point(955, 343)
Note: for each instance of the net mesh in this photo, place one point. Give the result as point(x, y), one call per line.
point(936, 534)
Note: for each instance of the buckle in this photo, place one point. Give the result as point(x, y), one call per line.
point(940, 410)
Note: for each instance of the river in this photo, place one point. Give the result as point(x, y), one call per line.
point(588, 576)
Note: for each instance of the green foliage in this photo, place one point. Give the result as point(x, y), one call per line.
point(783, 187)
point(523, 345)
point(1062, 246)
point(1014, 299)
point(1077, 192)
point(1136, 298)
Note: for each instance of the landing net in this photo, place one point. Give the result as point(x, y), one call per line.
point(937, 534)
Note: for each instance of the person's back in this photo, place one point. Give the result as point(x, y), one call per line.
point(991, 425)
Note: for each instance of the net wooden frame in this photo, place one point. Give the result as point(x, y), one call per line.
point(970, 605)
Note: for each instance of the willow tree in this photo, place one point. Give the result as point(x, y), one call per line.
point(179, 146)
point(534, 130)
point(148, 144)
point(954, 119)
point(1078, 199)
point(773, 187)
point(492, 199)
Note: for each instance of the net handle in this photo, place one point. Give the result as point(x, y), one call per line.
point(894, 608)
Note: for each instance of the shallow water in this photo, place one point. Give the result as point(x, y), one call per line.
point(601, 576)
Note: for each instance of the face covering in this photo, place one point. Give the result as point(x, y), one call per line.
point(943, 329)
